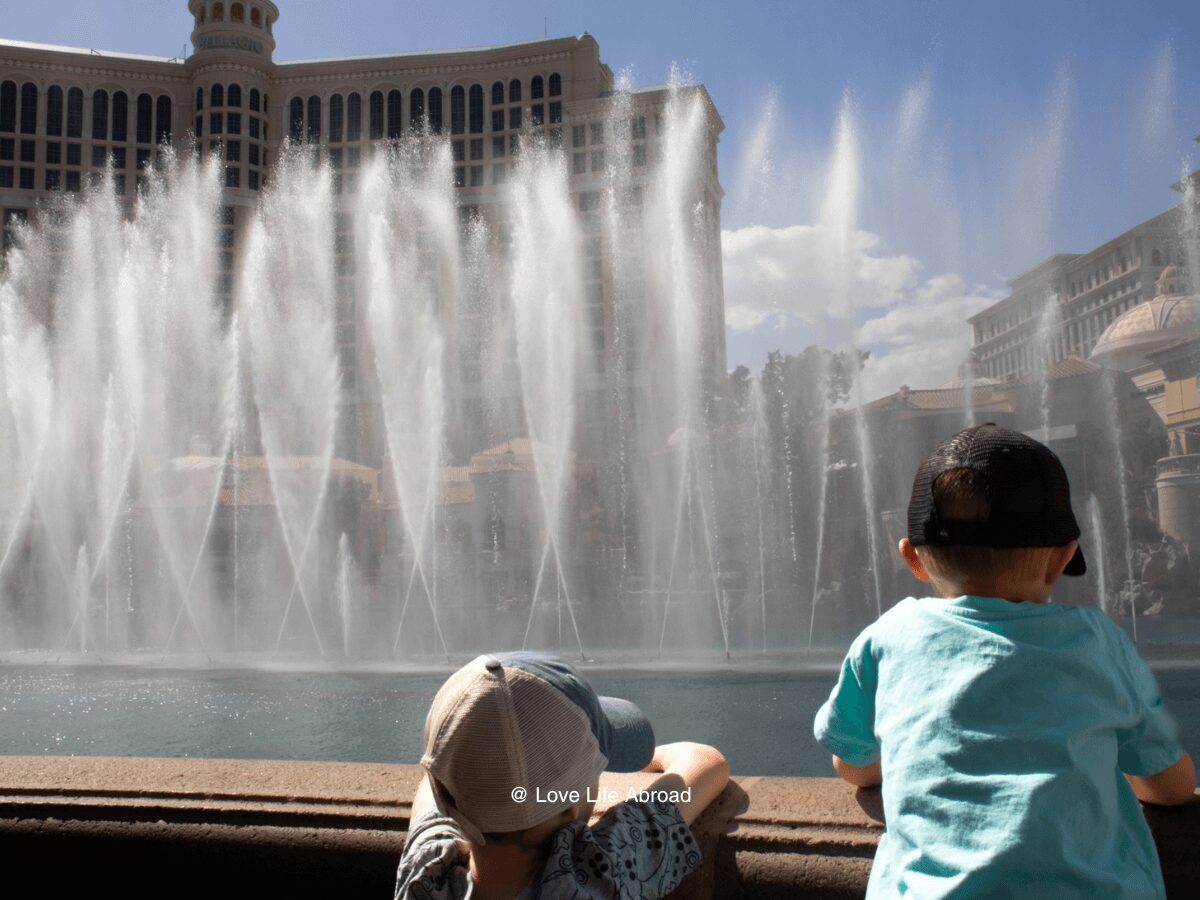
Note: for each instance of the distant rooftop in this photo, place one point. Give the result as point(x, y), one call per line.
point(89, 51)
point(643, 89)
point(419, 53)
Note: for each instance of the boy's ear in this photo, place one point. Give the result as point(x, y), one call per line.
point(915, 564)
point(1058, 560)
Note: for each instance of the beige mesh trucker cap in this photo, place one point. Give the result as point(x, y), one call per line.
point(521, 722)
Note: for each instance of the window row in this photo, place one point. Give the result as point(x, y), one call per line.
point(231, 96)
point(237, 15)
point(64, 113)
point(385, 113)
point(537, 89)
point(231, 150)
point(231, 123)
point(637, 157)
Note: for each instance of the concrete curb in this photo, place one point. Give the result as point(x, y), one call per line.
point(182, 827)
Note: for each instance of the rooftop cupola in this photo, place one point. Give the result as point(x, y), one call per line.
point(234, 28)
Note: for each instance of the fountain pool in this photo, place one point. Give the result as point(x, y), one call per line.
point(759, 715)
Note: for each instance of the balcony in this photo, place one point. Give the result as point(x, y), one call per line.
point(1186, 464)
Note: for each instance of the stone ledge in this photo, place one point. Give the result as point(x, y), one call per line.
point(295, 829)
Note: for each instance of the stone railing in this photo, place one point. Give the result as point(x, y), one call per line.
point(83, 826)
point(1188, 464)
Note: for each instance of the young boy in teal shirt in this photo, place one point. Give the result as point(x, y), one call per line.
point(1012, 738)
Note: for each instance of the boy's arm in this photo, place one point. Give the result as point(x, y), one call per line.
point(684, 765)
point(1172, 786)
point(868, 776)
point(845, 723)
point(422, 800)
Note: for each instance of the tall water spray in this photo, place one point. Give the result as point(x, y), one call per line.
point(547, 304)
point(682, 220)
point(839, 219)
point(405, 221)
point(288, 288)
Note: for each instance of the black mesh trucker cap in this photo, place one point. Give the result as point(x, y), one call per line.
point(1028, 493)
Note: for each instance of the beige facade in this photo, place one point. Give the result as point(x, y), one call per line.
point(67, 113)
point(1075, 296)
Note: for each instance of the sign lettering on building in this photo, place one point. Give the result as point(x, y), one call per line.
point(227, 41)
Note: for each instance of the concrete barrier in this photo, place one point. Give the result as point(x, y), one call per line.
point(74, 826)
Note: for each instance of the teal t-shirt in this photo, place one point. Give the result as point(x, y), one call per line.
point(1003, 729)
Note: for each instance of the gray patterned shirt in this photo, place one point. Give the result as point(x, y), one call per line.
point(636, 851)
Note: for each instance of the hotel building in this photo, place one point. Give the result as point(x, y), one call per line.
point(1076, 296)
point(66, 113)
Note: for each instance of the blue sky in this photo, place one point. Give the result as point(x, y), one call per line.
point(989, 134)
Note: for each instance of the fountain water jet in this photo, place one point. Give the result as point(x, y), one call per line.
point(399, 201)
point(547, 305)
point(287, 288)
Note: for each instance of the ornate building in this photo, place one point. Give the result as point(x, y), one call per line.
point(66, 114)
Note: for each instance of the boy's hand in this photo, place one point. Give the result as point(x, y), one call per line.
point(868, 776)
point(700, 769)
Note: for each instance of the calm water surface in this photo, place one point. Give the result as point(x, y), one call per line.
point(761, 720)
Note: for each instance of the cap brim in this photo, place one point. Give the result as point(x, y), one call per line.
point(632, 736)
point(1077, 565)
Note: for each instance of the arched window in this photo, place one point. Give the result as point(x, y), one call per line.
point(256, 18)
point(164, 130)
point(255, 99)
point(145, 113)
point(314, 119)
point(536, 88)
point(435, 110)
point(458, 109)
point(376, 115)
point(8, 106)
point(476, 109)
point(416, 109)
point(120, 116)
point(218, 12)
point(29, 101)
point(54, 111)
point(354, 117)
point(514, 90)
point(75, 113)
point(296, 120)
point(266, 103)
point(497, 93)
point(393, 114)
point(337, 111)
point(233, 96)
point(1156, 258)
point(100, 115)
point(216, 95)
point(199, 99)
point(237, 13)
point(555, 84)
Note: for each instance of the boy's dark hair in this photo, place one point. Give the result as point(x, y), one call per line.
point(962, 495)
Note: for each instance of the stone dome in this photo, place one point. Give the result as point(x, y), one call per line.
point(1170, 316)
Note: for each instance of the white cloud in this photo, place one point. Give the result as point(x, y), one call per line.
point(790, 272)
point(922, 341)
point(914, 327)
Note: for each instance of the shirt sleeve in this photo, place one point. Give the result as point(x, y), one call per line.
point(435, 864)
point(845, 723)
point(636, 850)
point(1150, 742)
